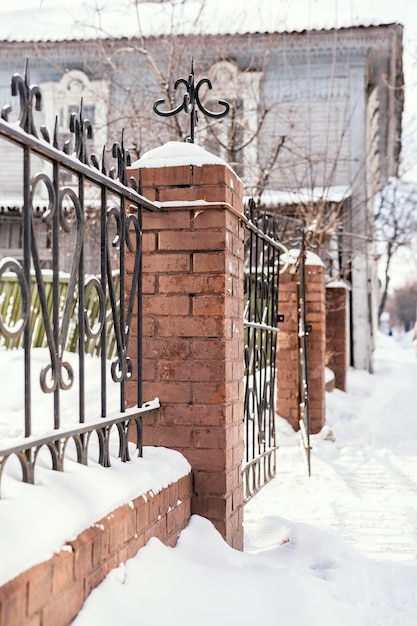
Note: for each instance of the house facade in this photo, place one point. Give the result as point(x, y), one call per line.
point(314, 127)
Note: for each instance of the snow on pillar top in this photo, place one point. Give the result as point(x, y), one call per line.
point(175, 153)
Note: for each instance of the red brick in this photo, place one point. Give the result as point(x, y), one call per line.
point(214, 483)
point(177, 519)
point(149, 283)
point(142, 516)
point(150, 193)
point(39, 586)
point(202, 392)
point(209, 262)
point(166, 305)
point(13, 599)
point(192, 283)
point(213, 507)
point(202, 348)
point(209, 218)
point(65, 607)
point(62, 570)
point(115, 522)
point(35, 620)
point(191, 240)
point(185, 487)
point(191, 371)
point(166, 262)
point(213, 174)
point(169, 391)
point(148, 242)
point(172, 175)
point(167, 348)
point(130, 529)
point(176, 437)
point(209, 305)
point(212, 460)
point(172, 495)
point(214, 437)
point(193, 414)
point(99, 574)
point(190, 327)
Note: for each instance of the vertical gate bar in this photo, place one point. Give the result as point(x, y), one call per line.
point(27, 233)
point(81, 353)
point(103, 281)
point(139, 354)
point(262, 347)
point(139, 313)
point(122, 304)
point(55, 283)
point(304, 391)
point(255, 339)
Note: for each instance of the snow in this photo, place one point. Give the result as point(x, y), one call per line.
point(311, 258)
point(338, 284)
point(332, 193)
point(336, 549)
point(175, 153)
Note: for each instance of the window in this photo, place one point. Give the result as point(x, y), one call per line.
point(64, 98)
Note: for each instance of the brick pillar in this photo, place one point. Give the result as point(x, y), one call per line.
point(337, 331)
point(193, 325)
point(288, 345)
point(287, 350)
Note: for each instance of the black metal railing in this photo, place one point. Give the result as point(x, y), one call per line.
point(261, 317)
point(71, 183)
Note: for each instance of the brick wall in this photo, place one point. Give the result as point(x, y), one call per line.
point(53, 592)
point(193, 329)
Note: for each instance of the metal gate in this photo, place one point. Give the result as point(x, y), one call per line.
point(264, 248)
point(261, 318)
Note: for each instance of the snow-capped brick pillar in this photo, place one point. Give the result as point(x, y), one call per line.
point(337, 331)
point(193, 322)
point(287, 375)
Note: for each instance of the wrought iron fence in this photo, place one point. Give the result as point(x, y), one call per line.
point(70, 181)
point(261, 317)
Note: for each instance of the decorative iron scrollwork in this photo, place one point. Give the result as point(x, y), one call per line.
point(191, 102)
point(83, 130)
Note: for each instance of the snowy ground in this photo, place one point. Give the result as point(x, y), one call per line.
point(339, 548)
point(336, 549)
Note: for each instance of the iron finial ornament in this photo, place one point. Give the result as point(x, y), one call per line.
point(191, 102)
point(83, 130)
point(29, 97)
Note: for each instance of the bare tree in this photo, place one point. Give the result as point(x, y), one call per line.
point(395, 224)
